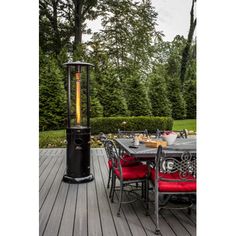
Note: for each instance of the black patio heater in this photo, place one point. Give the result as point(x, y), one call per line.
point(78, 123)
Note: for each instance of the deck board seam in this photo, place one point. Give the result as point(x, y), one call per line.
point(104, 188)
point(75, 209)
point(50, 172)
point(186, 214)
point(52, 158)
point(43, 159)
point(52, 184)
point(97, 195)
point(180, 222)
point(63, 210)
point(51, 210)
point(168, 224)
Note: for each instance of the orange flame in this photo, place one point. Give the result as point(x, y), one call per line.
point(78, 110)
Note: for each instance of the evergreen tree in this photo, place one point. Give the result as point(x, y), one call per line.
point(111, 95)
point(96, 107)
point(52, 100)
point(190, 98)
point(137, 98)
point(160, 103)
point(176, 98)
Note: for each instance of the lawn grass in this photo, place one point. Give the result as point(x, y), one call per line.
point(57, 138)
point(185, 124)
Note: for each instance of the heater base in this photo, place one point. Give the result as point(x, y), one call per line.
point(72, 180)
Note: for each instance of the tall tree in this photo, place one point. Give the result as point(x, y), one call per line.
point(111, 94)
point(83, 9)
point(176, 98)
point(186, 50)
point(52, 99)
point(190, 98)
point(160, 103)
point(128, 35)
point(54, 25)
point(136, 97)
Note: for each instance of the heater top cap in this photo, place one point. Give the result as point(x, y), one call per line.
point(77, 63)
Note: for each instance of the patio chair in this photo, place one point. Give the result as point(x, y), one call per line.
point(173, 176)
point(126, 160)
point(126, 175)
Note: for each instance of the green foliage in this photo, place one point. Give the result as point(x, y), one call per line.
point(131, 61)
point(160, 103)
point(176, 98)
point(96, 108)
point(190, 98)
point(112, 124)
point(136, 97)
point(52, 100)
point(111, 95)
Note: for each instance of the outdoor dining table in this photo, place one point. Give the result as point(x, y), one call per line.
point(143, 153)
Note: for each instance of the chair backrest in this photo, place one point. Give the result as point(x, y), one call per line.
point(113, 155)
point(130, 134)
point(182, 166)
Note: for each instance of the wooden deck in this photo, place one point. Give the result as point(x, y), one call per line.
point(85, 209)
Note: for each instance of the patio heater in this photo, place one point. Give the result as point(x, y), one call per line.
point(78, 123)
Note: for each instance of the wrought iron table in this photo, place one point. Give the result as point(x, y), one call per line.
point(144, 153)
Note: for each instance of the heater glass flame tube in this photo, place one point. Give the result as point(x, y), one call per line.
point(78, 101)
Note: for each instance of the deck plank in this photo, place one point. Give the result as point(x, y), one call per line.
point(49, 181)
point(186, 222)
point(93, 210)
point(44, 164)
point(178, 228)
point(107, 220)
point(54, 221)
point(81, 212)
point(67, 223)
point(47, 205)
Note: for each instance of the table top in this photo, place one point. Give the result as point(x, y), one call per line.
point(142, 151)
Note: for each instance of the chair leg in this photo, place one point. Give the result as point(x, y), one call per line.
point(112, 183)
point(157, 231)
point(120, 198)
point(147, 196)
point(109, 178)
point(113, 188)
point(142, 189)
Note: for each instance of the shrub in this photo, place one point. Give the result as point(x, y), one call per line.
point(112, 124)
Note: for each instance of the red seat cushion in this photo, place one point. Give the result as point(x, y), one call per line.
point(110, 163)
point(133, 172)
point(126, 161)
point(165, 186)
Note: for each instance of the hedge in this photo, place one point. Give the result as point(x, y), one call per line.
point(112, 124)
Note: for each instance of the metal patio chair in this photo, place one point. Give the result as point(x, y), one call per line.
point(173, 176)
point(126, 175)
point(125, 160)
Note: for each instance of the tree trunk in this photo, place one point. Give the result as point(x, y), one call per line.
point(78, 22)
point(186, 51)
point(57, 38)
